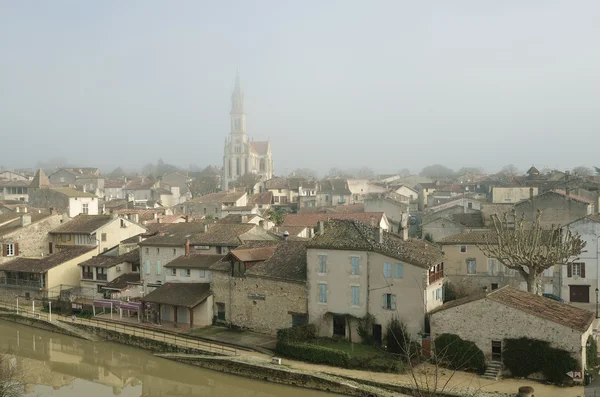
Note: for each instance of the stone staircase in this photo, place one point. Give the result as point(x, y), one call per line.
point(493, 369)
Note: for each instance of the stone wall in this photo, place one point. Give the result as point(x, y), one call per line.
point(556, 209)
point(33, 239)
point(484, 321)
point(259, 304)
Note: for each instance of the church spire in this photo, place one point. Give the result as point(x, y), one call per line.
point(237, 97)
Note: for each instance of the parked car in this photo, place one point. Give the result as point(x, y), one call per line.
point(554, 297)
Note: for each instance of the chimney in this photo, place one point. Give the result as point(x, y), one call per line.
point(25, 209)
point(155, 216)
point(114, 215)
point(187, 219)
point(18, 209)
point(321, 228)
point(531, 193)
point(135, 218)
point(286, 234)
point(204, 227)
point(157, 220)
point(568, 190)
point(379, 235)
point(244, 219)
point(25, 220)
point(187, 247)
point(139, 238)
point(372, 221)
point(404, 226)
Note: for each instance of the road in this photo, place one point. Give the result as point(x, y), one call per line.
point(593, 389)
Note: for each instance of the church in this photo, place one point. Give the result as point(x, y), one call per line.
point(243, 156)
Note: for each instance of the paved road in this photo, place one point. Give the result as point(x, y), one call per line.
point(593, 389)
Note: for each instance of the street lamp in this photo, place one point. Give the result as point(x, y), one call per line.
point(596, 302)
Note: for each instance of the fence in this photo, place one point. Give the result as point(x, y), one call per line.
point(142, 332)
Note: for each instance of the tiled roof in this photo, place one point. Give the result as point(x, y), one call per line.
point(227, 196)
point(288, 262)
point(237, 218)
point(41, 265)
point(15, 224)
point(217, 234)
point(263, 198)
point(346, 209)
point(8, 183)
point(140, 184)
point(475, 237)
point(121, 282)
point(167, 219)
point(194, 261)
point(334, 186)
point(534, 305)
point(187, 295)
point(311, 220)
point(143, 215)
point(259, 147)
point(70, 192)
point(114, 184)
point(83, 224)
point(253, 254)
point(108, 261)
point(573, 196)
point(181, 227)
point(469, 220)
point(355, 235)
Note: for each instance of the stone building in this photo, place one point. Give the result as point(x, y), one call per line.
point(100, 270)
point(14, 190)
point(262, 286)
point(354, 269)
point(26, 234)
point(243, 155)
point(213, 204)
point(64, 199)
point(310, 221)
point(441, 227)
point(489, 319)
point(558, 207)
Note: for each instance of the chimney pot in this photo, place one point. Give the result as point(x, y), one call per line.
point(25, 220)
point(286, 234)
point(187, 247)
point(321, 226)
point(18, 209)
point(568, 191)
point(204, 227)
point(379, 235)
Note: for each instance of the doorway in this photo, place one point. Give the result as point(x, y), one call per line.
point(377, 333)
point(220, 311)
point(494, 286)
point(339, 326)
point(49, 248)
point(496, 350)
point(579, 293)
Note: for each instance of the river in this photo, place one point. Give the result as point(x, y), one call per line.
point(62, 366)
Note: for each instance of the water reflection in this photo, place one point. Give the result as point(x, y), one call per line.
point(59, 365)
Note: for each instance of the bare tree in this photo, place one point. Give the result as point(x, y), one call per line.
point(583, 171)
point(10, 377)
point(532, 250)
point(246, 182)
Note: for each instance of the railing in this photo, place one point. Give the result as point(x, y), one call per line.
point(87, 276)
point(16, 282)
point(101, 277)
point(141, 331)
point(436, 276)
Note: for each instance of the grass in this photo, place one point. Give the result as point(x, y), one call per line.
point(353, 349)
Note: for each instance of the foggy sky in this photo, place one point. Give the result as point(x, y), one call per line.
point(386, 84)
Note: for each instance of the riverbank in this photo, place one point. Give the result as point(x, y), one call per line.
point(300, 374)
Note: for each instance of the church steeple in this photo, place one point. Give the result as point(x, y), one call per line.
point(238, 117)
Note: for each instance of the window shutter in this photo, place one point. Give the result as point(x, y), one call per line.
point(582, 270)
point(383, 301)
point(393, 302)
point(16, 248)
point(569, 270)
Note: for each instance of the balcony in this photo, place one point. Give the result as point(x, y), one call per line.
point(20, 283)
point(436, 272)
point(87, 276)
point(102, 277)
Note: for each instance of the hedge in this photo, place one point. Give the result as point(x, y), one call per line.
point(300, 333)
point(376, 364)
point(313, 353)
point(459, 354)
point(524, 356)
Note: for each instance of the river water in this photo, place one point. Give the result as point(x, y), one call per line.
point(61, 366)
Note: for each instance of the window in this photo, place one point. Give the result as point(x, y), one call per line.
point(389, 301)
point(398, 270)
point(158, 251)
point(103, 236)
point(438, 294)
point(147, 249)
point(549, 272)
point(471, 266)
point(463, 248)
point(10, 250)
point(158, 268)
point(101, 274)
point(84, 209)
point(470, 205)
point(355, 295)
point(354, 263)
point(173, 272)
point(577, 270)
point(492, 266)
point(147, 267)
point(322, 293)
point(186, 273)
point(387, 270)
point(322, 264)
point(174, 251)
point(202, 273)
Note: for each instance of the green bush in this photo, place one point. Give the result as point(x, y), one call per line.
point(397, 337)
point(300, 333)
point(591, 352)
point(313, 353)
point(456, 353)
point(376, 363)
point(524, 356)
point(365, 329)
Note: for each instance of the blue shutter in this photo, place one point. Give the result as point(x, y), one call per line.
point(354, 262)
point(355, 295)
point(399, 270)
point(147, 266)
point(393, 302)
point(158, 268)
point(387, 270)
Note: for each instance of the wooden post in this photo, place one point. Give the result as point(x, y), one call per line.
point(175, 317)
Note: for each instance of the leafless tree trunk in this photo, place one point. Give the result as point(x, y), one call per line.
point(530, 250)
point(10, 377)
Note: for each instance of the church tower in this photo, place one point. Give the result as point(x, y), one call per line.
point(241, 155)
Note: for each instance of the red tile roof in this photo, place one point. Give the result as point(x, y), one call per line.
point(308, 220)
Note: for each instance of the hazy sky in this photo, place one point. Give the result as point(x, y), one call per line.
point(386, 84)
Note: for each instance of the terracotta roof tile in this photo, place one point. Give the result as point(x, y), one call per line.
point(83, 224)
point(41, 265)
point(121, 282)
point(108, 261)
point(263, 198)
point(253, 254)
point(227, 196)
point(194, 261)
point(179, 294)
point(311, 220)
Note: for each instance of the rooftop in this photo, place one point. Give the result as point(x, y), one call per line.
point(354, 235)
point(259, 147)
point(83, 224)
point(187, 295)
point(121, 282)
point(228, 196)
point(70, 192)
point(469, 220)
point(264, 198)
point(41, 265)
point(12, 221)
point(534, 305)
point(216, 235)
point(311, 220)
point(194, 261)
point(108, 261)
